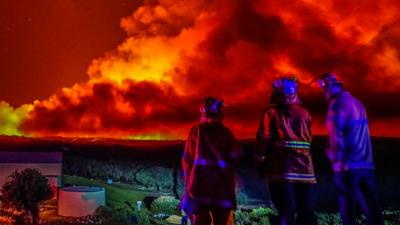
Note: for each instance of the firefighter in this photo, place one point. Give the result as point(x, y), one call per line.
point(208, 161)
point(283, 148)
point(350, 152)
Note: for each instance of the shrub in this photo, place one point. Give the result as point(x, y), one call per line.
point(261, 215)
point(110, 213)
point(328, 219)
point(165, 204)
point(142, 216)
point(391, 217)
point(25, 191)
point(242, 218)
point(254, 216)
point(122, 215)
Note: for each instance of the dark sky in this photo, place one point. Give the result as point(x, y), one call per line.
point(48, 44)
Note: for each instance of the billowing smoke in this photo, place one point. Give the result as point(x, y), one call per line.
point(10, 118)
point(106, 108)
point(178, 52)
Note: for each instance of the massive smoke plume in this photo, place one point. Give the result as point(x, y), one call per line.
point(178, 52)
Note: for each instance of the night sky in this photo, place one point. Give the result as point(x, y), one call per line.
point(139, 69)
point(48, 44)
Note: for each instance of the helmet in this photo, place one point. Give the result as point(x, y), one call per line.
point(328, 80)
point(285, 85)
point(284, 91)
point(211, 106)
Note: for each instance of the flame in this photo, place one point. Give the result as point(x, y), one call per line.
point(150, 60)
point(11, 118)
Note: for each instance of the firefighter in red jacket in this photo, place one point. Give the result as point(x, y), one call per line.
point(208, 161)
point(283, 148)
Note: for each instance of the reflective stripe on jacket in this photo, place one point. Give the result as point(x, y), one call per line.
point(349, 139)
point(284, 140)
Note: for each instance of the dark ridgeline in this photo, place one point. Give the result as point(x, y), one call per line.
point(99, 148)
point(168, 154)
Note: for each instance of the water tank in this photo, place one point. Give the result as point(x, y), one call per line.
point(80, 201)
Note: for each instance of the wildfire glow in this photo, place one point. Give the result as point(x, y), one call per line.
point(11, 118)
point(177, 52)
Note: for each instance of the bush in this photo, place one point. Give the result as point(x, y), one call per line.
point(165, 204)
point(328, 219)
point(242, 218)
point(254, 217)
point(391, 217)
point(142, 216)
point(121, 214)
point(261, 215)
point(25, 191)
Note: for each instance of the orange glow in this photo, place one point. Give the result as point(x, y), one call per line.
point(178, 52)
point(150, 60)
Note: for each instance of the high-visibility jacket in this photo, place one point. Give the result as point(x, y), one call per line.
point(284, 142)
point(349, 139)
point(208, 161)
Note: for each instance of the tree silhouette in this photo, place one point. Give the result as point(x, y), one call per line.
point(25, 191)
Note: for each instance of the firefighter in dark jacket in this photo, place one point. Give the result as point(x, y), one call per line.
point(208, 161)
point(283, 147)
point(350, 152)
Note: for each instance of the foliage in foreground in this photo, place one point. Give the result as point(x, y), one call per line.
point(120, 212)
point(165, 205)
point(265, 216)
point(257, 216)
point(109, 215)
point(25, 191)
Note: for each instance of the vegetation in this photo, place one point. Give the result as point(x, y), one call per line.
point(165, 205)
point(121, 202)
point(117, 195)
point(123, 215)
point(328, 219)
point(120, 211)
point(25, 191)
point(257, 216)
point(392, 217)
point(151, 176)
point(266, 216)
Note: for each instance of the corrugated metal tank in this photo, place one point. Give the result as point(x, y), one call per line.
point(80, 201)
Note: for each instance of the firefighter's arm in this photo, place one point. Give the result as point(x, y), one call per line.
point(263, 138)
point(336, 122)
point(263, 143)
point(188, 154)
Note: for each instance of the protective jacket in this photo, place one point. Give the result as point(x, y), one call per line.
point(208, 161)
point(283, 143)
point(349, 139)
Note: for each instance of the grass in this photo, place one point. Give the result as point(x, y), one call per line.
point(116, 194)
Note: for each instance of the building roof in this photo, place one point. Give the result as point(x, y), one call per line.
point(31, 157)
